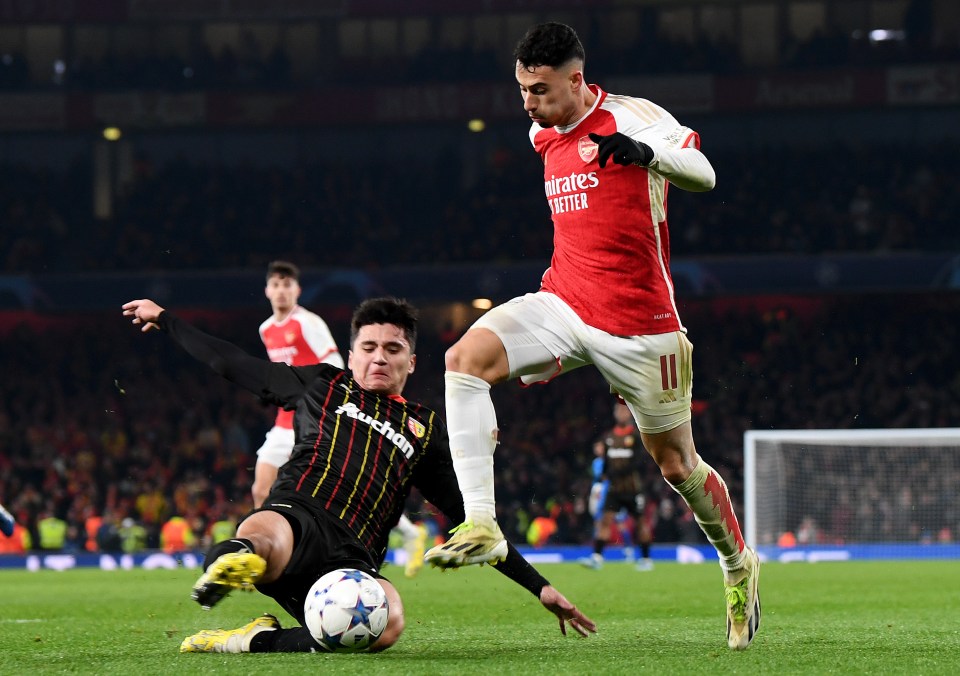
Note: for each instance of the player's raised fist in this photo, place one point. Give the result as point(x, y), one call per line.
point(623, 149)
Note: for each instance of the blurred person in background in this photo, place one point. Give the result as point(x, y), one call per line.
point(133, 536)
point(51, 529)
point(6, 521)
point(176, 535)
point(296, 337)
point(222, 529)
point(108, 536)
point(619, 471)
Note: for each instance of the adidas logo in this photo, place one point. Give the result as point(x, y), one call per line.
point(668, 397)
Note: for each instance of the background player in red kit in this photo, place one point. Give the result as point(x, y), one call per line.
point(607, 300)
point(296, 337)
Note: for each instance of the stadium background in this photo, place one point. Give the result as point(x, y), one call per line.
point(385, 151)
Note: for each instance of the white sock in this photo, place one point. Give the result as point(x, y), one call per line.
point(706, 494)
point(472, 424)
point(407, 528)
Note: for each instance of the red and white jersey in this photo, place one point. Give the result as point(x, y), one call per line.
point(301, 339)
point(611, 246)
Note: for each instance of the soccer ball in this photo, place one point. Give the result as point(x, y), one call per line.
point(346, 610)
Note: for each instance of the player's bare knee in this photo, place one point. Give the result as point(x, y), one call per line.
point(451, 359)
point(460, 358)
point(676, 469)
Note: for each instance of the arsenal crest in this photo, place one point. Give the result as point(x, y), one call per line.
point(416, 428)
point(587, 148)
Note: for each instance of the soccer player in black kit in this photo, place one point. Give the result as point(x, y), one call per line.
point(360, 448)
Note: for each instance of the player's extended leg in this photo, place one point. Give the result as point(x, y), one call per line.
point(264, 634)
point(474, 362)
point(706, 494)
point(654, 374)
point(259, 553)
point(232, 640)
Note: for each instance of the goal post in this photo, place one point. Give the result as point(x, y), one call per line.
point(876, 487)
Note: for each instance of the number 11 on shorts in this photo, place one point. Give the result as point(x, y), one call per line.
point(668, 371)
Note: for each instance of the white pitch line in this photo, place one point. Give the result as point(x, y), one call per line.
point(20, 621)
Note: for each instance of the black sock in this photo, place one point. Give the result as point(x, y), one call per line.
point(645, 550)
point(598, 546)
point(227, 547)
point(297, 640)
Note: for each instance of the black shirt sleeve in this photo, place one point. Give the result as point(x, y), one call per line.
point(275, 383)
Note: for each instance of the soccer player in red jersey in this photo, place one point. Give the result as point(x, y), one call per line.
point(296, 337)
point(607, 300)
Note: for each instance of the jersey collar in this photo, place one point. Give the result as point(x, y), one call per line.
point(601, 95)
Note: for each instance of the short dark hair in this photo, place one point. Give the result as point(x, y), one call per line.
point(284, 269)
point(387, 310)
point(549, 44)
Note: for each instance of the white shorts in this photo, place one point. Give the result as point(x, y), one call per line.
point(277, 446)
point(544, 337)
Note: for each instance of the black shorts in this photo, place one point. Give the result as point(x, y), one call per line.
point(632, 502)
point(321, 543)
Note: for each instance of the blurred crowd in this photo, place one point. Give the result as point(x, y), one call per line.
point(126, 443)
point(187, 215)
point(248, 64)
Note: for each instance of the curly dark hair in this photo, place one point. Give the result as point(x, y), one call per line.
point(548, 44)
point(387, 310)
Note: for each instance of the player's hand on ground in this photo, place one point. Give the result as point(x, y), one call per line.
point(624, 150)
point(144, 312)
point(558, 604)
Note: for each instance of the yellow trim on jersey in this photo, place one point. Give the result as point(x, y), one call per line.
point(366, 454)
point(426, 441)
point(383, 490)
point(386, 481)
point(333, 440)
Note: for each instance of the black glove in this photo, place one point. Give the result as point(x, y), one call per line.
point(623, 149)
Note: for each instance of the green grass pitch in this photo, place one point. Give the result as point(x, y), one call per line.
point(837, 618)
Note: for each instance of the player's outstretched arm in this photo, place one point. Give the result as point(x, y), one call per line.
point(276, 383)
point(558, 604)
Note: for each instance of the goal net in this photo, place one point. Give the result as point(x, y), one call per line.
point(852, 487)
